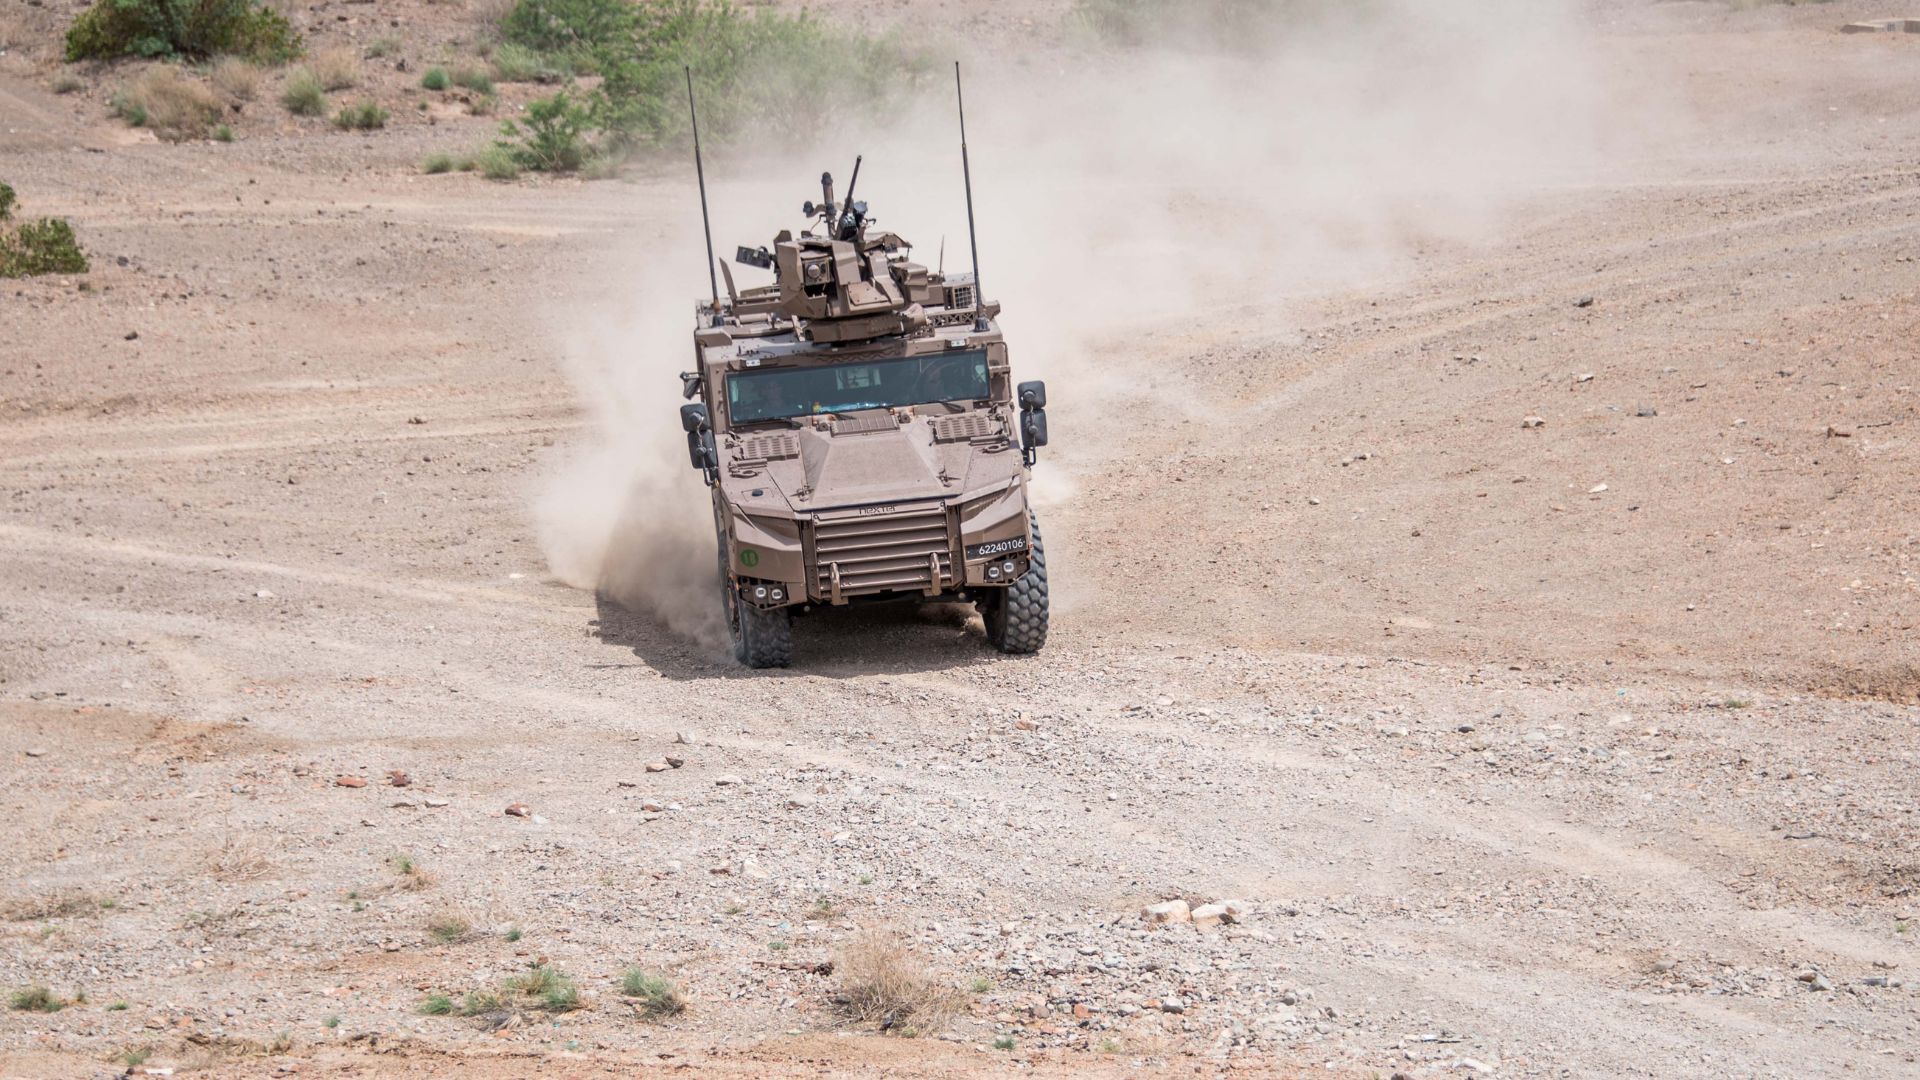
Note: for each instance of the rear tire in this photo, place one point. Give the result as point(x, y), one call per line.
point(761, 639)
point(1016, 616)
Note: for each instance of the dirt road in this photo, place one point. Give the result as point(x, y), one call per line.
point(1581, 748)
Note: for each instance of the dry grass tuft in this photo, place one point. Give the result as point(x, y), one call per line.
point(172, 105)
point(236, 78)
point(448, 927)
point(337, 69)
point(241, 857)
point(883, 982)
point(412, 876)
point(60, 904)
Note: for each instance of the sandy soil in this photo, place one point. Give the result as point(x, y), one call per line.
point(1511, 773)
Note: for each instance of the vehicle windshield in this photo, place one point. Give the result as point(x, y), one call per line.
point(914, 380)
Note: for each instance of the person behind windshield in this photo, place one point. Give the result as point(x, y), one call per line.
point(950, 380)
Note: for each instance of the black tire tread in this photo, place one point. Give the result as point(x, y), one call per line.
point(765, 639)
point(1019, 625)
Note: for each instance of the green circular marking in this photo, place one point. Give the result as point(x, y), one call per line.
point(749, 557)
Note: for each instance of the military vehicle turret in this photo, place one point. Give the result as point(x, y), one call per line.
point(859, 427)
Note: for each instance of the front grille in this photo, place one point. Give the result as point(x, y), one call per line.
point(907, 550)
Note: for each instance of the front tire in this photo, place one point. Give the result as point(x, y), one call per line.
point(761, 639)
point(1016, 616)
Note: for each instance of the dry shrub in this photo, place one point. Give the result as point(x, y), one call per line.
point(60, 904)
point(172, 105)
point(240, 857)
point(410, 875)
point(883, 982)
point(337, 69)
point(236, 78)
point(450, 927)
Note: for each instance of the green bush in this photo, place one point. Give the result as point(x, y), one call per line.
point(767, 74)
point(496, 162)
point(303, 95)
point(435, 79)
point(561, 26)
point(365, 116)
point(7, 199)
point(518, 63)
point(196, 29)
point(548, 138)
point(473, 79)
point(438, 162)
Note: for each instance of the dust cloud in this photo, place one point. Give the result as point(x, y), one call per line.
point(626, 514)
point(1133, 205)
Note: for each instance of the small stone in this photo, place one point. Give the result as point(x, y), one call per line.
point(1025, 724)
point(519, 809)
point(1173, 911)
point(1235, 911)
point(349, 781)
point(684, 738)
point(1584, 302)
point(749, 868)
point(434, 802)
point(728, 780)
point(133, 335)
point(36, 752)
point(1596, 489)
point(675, 762)
point(626, 783)
point(1532, 421)
point(1208, 914)
point(652, 807)
point(658, 766)
point(799, 802)
point(1172, 1004)
point(264, 594)
point(398, 778)
point(1313, 500)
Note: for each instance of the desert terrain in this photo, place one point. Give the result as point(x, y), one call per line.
point(1515, 620)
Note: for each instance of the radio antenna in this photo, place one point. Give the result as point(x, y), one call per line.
point(706, 222)
point(966, 170)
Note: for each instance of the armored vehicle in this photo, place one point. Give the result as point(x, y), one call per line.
point(859, 427)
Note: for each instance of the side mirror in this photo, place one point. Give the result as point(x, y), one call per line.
point(1033, 428)
point(1032, 395)
point(693, 418)
point(689, 384)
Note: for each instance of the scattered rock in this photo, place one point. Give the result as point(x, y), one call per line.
point(1025, 724)
point(1584, 302)
point(1596, 489)
point(728, 780)
point(626, 783)
point(1172, 1004)
point(1532, 421)
point(36, 752)
point(519, 809)
point(349, 781)
point(398, 778)
point(1173, 911)
point(1235, 911)
point(684, 738)
point(1208, 915)
point(799, 802)
point(265, 594)
point(675, 762)
point(652, 807)
point(435, 803)
point(133, 335)
point(658, 766)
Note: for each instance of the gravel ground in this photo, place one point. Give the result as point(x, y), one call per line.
point(1483, 769)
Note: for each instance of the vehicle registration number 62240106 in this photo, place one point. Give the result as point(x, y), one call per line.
point(996, 547)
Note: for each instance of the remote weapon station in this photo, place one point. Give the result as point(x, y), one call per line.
point(860, 430)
